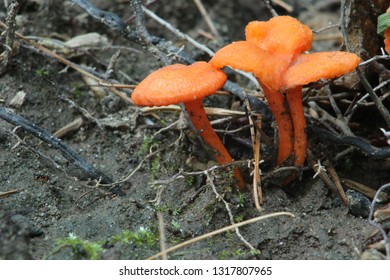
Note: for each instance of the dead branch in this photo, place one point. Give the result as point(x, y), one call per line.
point(144, 35)
point(207, 18)
point(323, 116)
point(56, 143)
point(326, 136)
point(110, 19)
point(196, 44)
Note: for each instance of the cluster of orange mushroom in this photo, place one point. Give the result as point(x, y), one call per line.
point(274, 51)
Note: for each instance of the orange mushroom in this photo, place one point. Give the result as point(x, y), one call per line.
point(248, 57)
point(282, 69)
point(305, 69)
point(188, 85)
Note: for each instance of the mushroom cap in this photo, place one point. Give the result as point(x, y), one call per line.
point(309, 68)
point(178, 83)
point(241, 55)
point(247, 56)
point(283, 35)
point(283, 38)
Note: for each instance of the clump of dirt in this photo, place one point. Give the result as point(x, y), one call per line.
point(56, 212)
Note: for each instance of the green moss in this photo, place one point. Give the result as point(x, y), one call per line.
point(77, 92)
point(144, 236)
point(176, 212)
point(176, 225)
point(155, 167)
point(190, 180)
point(239, 218)
point(42, 72)
point(241, 198)
point(147, 143)
point(86, 249)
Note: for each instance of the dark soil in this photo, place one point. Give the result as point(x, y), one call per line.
point(55, 203)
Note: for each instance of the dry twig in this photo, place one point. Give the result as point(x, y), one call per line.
point(207, 18)
point(144, 34)
point(8, 193)
point(219, 231)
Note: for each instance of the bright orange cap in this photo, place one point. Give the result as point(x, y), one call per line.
point(178, 83)
point(247, 56)
point(282, 35)
point(242, 55)
point(309, 68)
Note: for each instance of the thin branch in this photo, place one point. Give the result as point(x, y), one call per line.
point(193, 42)
point(324, 116)
point(56, 143)
point(269, 6)
point(326, 136)
point(219, 231)
point(177, 32)
point(144, 34)
point(207, 18)
point(375, 58)
point(110, 19)
point(284, 5)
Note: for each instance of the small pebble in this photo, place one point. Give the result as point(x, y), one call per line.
point(359, 205)
point(18, 99)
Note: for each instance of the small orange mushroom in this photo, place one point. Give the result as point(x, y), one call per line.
point(282, 69)
point(188, 85)
point(305, 69)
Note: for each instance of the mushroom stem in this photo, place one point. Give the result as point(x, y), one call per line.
point(283, 120)
point(199, 119)
point(294, 101)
